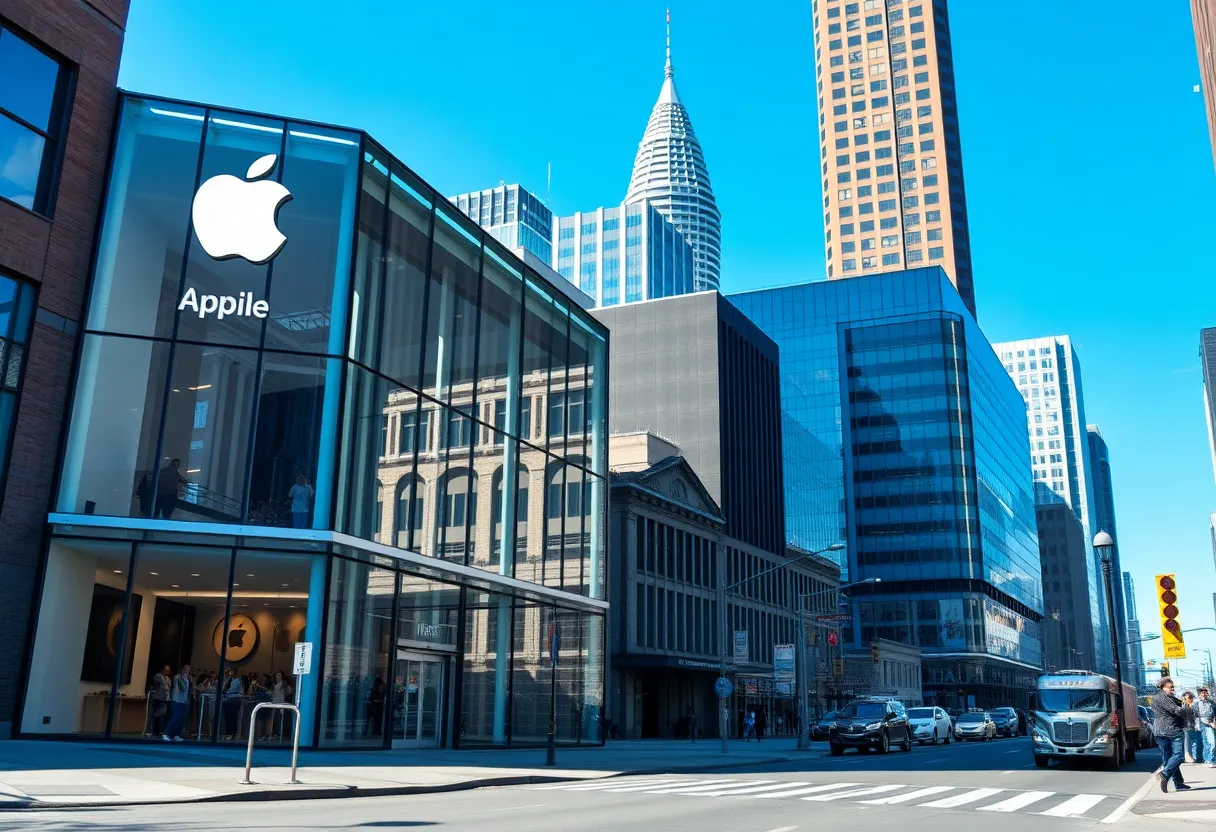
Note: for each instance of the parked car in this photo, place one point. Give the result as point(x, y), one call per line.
point(1006, 721)
point(870, 723)
point(930, 725)
point(820, 730)
point(975, 725)
point(1147, 738)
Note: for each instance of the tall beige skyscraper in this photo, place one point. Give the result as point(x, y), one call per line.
point(1203, 16)
point(888, 138)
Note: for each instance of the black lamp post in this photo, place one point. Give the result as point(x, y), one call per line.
point(1105, 544)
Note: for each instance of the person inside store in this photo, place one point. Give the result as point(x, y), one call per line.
point(301, 500)
point(179, 704)
point(233, 694)
point(168, 488)
point(158, 700)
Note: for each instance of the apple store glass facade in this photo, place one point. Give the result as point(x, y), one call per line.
point(893, 376)
point(379, 433)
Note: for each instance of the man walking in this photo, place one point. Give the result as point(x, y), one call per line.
point(1205, 719)
point(1167, 726)
point(1190, 730)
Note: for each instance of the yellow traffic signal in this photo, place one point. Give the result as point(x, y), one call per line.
point(875, 655)
point(1171, 628)
point(1165, 669)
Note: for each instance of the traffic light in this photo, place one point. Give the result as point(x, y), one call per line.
point(1171, 628)
point(1165, 669)
point(874, 654)
point(838, 668)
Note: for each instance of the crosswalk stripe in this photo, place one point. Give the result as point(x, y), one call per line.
point(904, 798)
point(750, 790)
point(856, 792)
point(961, 799)
point(802, 791)
point(658, 785)
point(720, 789)
point(684, 787)
point(1016, 802)
point(1075, 806)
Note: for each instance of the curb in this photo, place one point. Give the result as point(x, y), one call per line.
point(335, 792)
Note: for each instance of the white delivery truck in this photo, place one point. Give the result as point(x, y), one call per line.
point(1078, 713)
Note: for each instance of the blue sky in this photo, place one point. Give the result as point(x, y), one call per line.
point(1090, 184)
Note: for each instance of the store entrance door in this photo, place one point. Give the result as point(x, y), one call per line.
point(418, 695)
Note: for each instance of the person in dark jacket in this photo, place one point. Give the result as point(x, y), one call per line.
point(1169, 715)
point(1192, 736)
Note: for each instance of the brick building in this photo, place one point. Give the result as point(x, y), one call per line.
point(58, 73)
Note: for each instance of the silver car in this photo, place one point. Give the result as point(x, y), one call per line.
point(975, 725)
point(929, 725)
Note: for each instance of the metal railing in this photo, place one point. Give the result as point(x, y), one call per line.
point(295, 740)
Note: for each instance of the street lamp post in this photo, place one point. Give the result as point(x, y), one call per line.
point(1104, 544)
point(723, 594)
point(801, 669)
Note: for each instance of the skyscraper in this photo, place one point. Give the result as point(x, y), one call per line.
point(1104, 520)
point(1207, 355)
point(925, 441)
point(1203, 16)
point(885, 78)
point(1136, 676)
point(1048, 375)
point(595, 250)
point(669, 171)
point(514, 217)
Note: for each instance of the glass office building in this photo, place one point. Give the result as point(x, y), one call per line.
point(370, 428)
point(632, 242)
point(891, 373)
point(514, 217)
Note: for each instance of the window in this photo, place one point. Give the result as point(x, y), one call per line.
point(933, 216)
point(933, 234)
point(886, 205)
point(878, 86)
point(888, 223)
point(869, 262)
point(932, 199)
point(928, 164)
point(33, 93)
point(865, 190)
point(921, 78)
point(867, 244)
point(890, 241)
point(890, 259)
point(937, 253)
point(886, 187)
point(16, 315)
point(849, 265)
point(848, 247)
point(866, 226)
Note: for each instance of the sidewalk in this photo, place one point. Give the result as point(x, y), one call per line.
point(1199, 803)
point(44, 774)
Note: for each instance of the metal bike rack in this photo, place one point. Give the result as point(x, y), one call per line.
point(295, 741)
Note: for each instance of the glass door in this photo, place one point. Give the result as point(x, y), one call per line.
point(417, 711)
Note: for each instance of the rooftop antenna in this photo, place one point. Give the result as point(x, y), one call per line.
point(667, 73)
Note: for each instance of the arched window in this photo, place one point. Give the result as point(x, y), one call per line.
point(522, 477)
point(411, 498)
point(457, 503)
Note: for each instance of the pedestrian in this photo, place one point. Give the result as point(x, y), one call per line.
point(158, 695)
point(179, 704)
point(749, 726)
point(692, 722)
point(1190, 730)
point(1205, 716)
point(168, 488)
point(1167, 727)
point(233, 695)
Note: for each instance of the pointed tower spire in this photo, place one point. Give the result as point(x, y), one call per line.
point(667, 72)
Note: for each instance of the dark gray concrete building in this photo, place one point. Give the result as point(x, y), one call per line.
point(696, 371)
point(1068, 638)
point(1103, 497)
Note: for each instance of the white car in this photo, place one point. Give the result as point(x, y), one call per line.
point(929, 725)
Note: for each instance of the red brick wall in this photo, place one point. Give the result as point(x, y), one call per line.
point(54, 254)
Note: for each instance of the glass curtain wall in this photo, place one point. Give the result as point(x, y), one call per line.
point(16, 319)
point(189, 412)
point(204, 634)
point(466, 373)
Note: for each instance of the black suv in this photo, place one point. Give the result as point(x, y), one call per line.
point(1006, 720)
point(870, 723)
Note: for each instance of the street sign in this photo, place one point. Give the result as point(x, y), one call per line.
point(833, 639)
point(303, 659)
point(838, 618)
point(783, 663)
point(741, 651)
point(723, 687)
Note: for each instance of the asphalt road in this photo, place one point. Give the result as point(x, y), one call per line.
point(959, 786)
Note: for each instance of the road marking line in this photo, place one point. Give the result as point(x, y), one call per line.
point(702, 783)
point(962, 799)
point(1123, 807)
point(1075, 807)
point(904, 798)
point(717, 789)
point(603, 783)
point(931, 760)
point(783, 829)
point(857, 792)
point(1016, 802)
point(802, 791)
point(784, 784)
point(1017, 751)
point(508, 808)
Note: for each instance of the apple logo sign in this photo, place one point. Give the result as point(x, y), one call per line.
point(236, 638)
point(236, 217)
